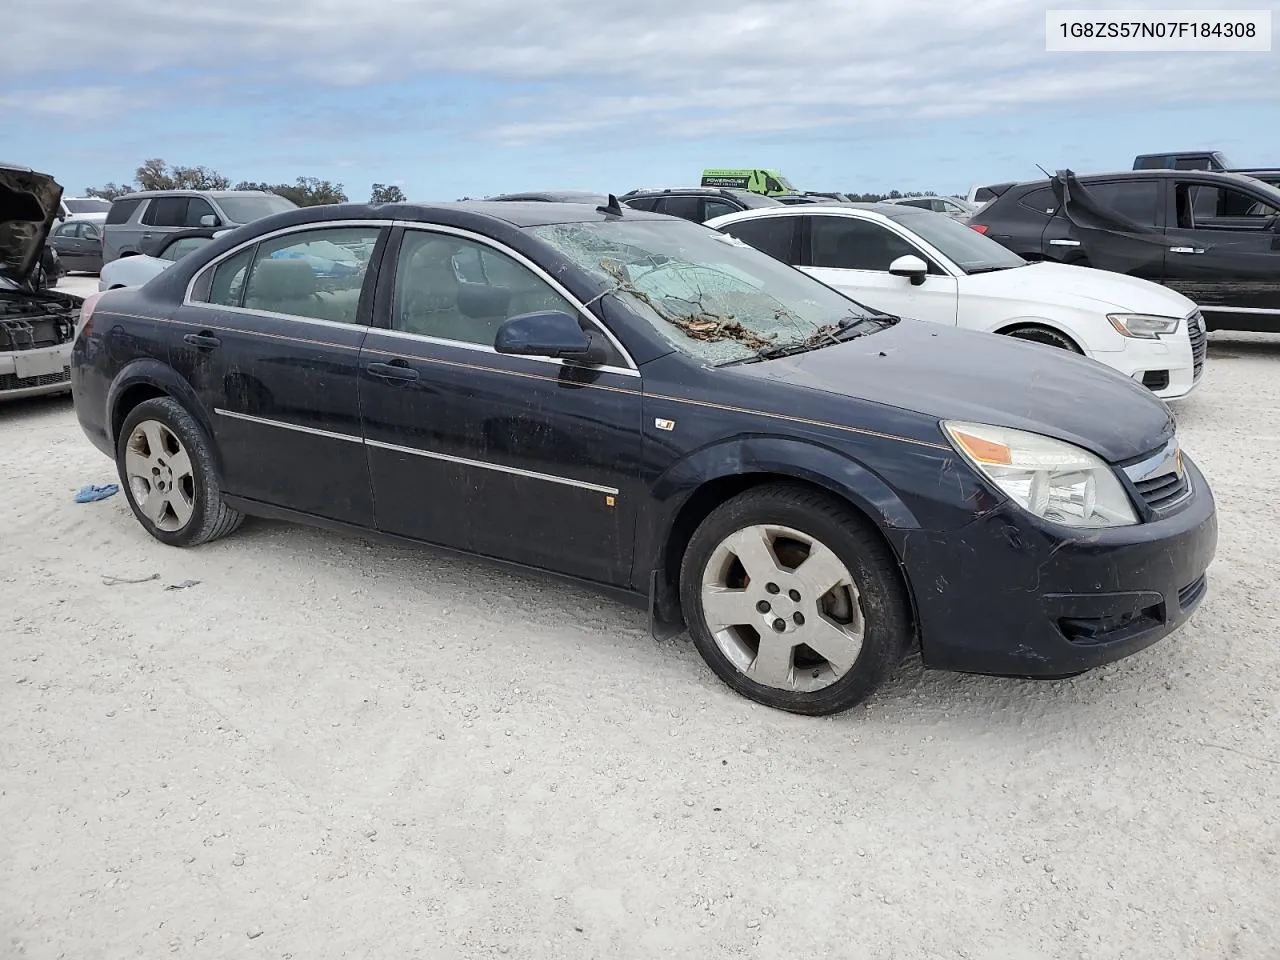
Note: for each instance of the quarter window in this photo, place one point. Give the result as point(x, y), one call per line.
point(849, 244)
point(122, 210)
point(1040, 201)
point(312, 273)
point(452, 288)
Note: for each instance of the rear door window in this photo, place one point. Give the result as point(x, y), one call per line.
point(772, 235)
point(642, 203)
point(690, 208)
point(166, 212)
point(1137, 200)
point(847, 243)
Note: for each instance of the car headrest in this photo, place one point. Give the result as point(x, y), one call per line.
point(282, 280)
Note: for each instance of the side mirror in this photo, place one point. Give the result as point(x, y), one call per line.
point(209, 220)
point(547, 333)
point(911, 267)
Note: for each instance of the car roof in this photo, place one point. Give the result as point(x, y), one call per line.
point(552, 196)
point(709, 191)
point(889, 211)
point(1229, 176)
point(216, 194)
point(518, 213)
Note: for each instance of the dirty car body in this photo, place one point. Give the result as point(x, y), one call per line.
point(37, 325)
point(411, 403)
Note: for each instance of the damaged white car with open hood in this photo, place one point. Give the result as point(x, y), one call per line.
point(37, 326)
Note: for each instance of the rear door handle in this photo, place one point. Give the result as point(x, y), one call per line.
point(395, 370)
point(1064, 243)
point(204, 340)
point(1186, 249)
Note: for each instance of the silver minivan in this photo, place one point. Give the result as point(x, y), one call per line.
point(138, 221)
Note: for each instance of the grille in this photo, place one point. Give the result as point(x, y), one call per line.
point(1163, 490)
point(9, 381)
point(1199, 342)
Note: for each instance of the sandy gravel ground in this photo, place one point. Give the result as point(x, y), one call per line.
point(329, 748)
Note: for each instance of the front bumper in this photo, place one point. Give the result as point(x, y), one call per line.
point(31, 373)
point(1166, 366)
point(1010, 596)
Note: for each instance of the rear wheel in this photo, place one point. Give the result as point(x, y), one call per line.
point(794, 600)
point(1047, 336)
point(169, 476)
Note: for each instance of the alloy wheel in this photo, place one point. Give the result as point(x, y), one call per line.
point(160, 476)
point(782, 608)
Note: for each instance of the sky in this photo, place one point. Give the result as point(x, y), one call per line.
point(488, 96)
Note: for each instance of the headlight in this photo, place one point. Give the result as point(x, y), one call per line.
point(1047, 477)
point(1144, 326)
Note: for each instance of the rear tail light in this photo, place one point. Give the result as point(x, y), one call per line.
point(85, 326)
point(980, 227)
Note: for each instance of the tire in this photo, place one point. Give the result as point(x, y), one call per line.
point(871, 595)
point(162, 451)
point(1050, 338)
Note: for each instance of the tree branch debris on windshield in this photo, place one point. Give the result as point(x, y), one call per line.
point(701, 325)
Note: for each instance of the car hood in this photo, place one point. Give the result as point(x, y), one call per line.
point(1064, 285)
point(956, 374)
point(28, 206)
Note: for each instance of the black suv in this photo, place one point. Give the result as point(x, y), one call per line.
point(698, 204)
point(1214, 237)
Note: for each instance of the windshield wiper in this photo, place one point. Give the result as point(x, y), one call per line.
point(838, 332)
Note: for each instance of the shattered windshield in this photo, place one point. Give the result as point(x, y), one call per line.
point(707, 293)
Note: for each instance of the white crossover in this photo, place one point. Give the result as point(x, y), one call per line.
point(916, 263)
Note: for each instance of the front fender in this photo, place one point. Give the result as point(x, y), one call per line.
point(797, 459)
point(1088, 331)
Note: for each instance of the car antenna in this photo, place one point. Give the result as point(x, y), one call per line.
point(612, 208)
point(1044, 171)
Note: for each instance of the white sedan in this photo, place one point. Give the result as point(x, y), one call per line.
point(136, 270)
point(925, 265)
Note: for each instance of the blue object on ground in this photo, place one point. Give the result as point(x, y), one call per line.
point(92, 492)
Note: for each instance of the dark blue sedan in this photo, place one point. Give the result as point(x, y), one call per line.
point(641, 402)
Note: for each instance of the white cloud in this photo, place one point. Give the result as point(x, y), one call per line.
point(685, 69)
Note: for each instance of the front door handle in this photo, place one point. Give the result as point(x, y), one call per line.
point(1186, 249)
point(1064, 243)
point(204, 340)
point(395, 370)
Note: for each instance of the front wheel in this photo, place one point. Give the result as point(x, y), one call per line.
point(794, 600)
point(168, 473)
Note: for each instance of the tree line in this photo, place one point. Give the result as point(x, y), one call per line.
point(155, 174)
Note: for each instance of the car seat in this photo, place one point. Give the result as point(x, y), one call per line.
point(282, 286)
